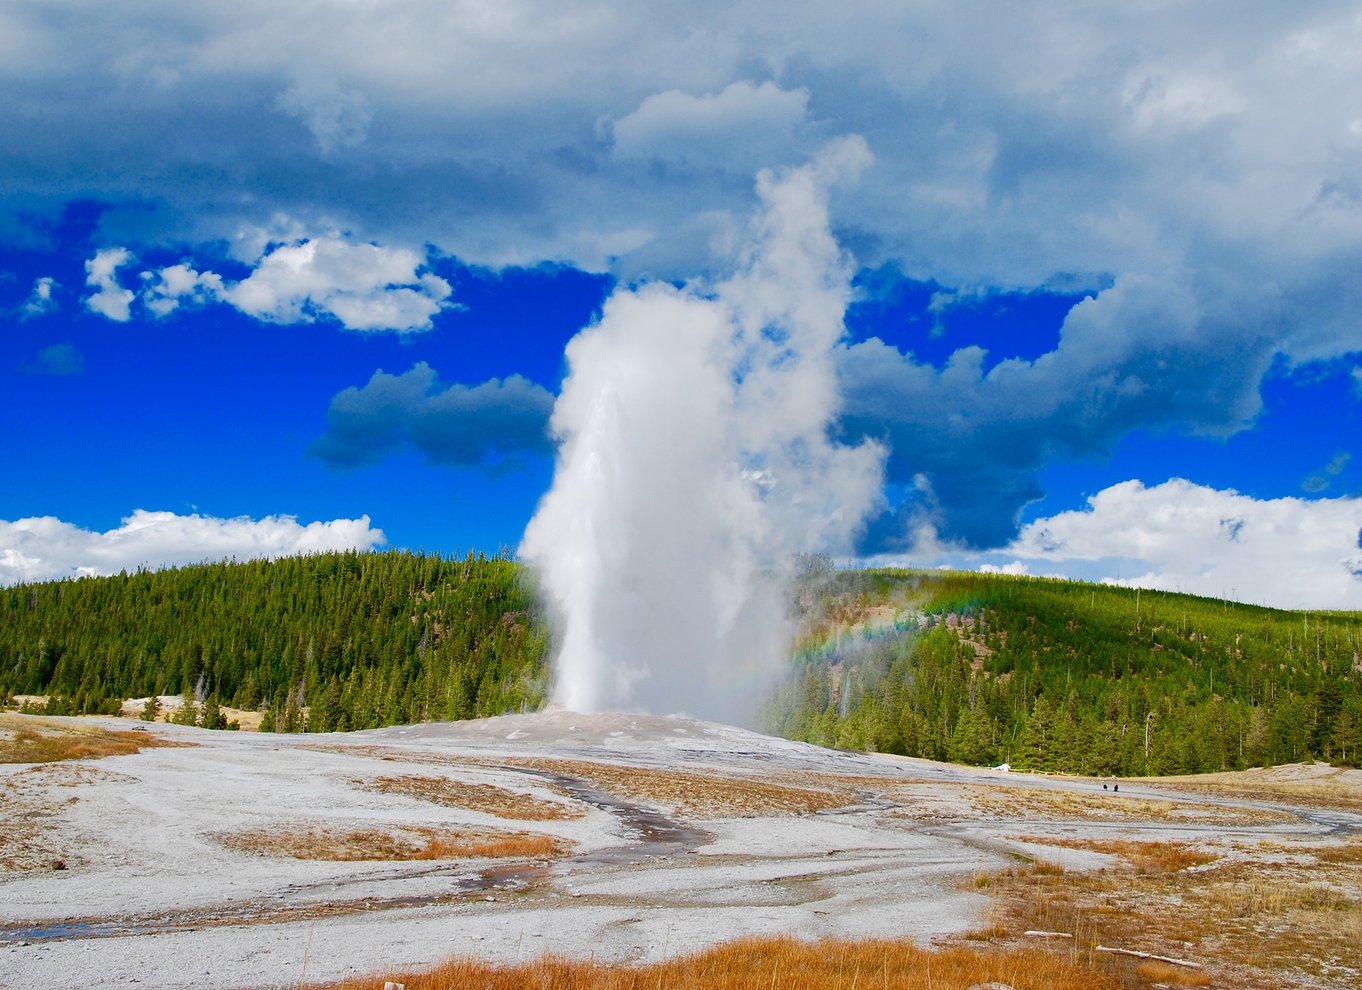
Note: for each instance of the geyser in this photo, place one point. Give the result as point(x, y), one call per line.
point(695, 460)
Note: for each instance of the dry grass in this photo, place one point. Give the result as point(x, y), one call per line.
point(1254, 923)
point(766, 963)
point(35, 739)
point(1314, 785)
point(698, 795)
point(687, 793)
point(412, 842)
point(1348, 853)
point(484, 798)
point(1146, 857)
point(1168, 975)
point(1011, 802)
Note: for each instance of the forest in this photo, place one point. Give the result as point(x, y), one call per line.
point(974, 668)
point(323, 642)
point(1055, 675)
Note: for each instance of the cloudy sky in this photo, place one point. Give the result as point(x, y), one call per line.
point(280, 277)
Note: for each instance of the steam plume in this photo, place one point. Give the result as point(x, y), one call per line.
point(694, 460)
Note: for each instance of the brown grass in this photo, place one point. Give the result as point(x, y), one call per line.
point(1348, 853)
point(484, 798)
point(1172, 976)
point(1315, 786)
point(698, 795)
point(687, 793)
point(1254, 923)
point(1009, 802)
point(412, 842)
point(1146, 857)
point(35, 739)
point(766, 963)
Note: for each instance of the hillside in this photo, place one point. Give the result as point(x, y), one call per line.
point(1058, 675)
point(361, 640)
point(974, 668)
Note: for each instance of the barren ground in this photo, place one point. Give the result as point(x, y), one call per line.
point(247, 860)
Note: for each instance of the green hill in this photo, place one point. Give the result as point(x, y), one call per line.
point(361, 639)
point(1058, 675)
point(975, 668)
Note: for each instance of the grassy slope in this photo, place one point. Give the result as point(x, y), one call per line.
point(1062, 675)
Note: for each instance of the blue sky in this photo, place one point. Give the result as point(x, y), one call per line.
point(268, 274)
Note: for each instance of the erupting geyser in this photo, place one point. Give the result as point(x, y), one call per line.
point(694, 461)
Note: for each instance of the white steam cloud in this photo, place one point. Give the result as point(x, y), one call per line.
point(694, 461)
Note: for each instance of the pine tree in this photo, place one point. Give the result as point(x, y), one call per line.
point(293, 717)
point(211, 717)
point(971, 742)
point(151, 709)
point(187, 713)
point(1035, 750)
point(269, 722)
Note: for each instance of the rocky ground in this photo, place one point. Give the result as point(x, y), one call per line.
point(249, 860)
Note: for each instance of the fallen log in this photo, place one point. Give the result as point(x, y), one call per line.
point(1149, 955)
point(1039, 934)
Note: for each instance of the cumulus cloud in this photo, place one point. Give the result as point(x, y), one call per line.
point(972, 441)
point(174, 285)
point(1178, 536)
point(459, 425)
point(109, 299)
point(362, 286)
point(41, 300)
point(43, 548)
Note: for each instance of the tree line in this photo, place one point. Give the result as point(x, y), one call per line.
point(323, 642)
point(1064, 676)
point(973, 668)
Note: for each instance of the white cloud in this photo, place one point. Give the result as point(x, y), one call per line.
point(1177, 536)
point(1016, 568)
point(109, 299)
point(44, 548)
point(169, 287)
point(362, 286)
point(41, 300)
point(365, 286)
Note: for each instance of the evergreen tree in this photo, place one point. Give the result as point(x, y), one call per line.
point(1036, 748)
point(270, 720)
point(971, 741)
point(187, 713)
point(211, 717)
